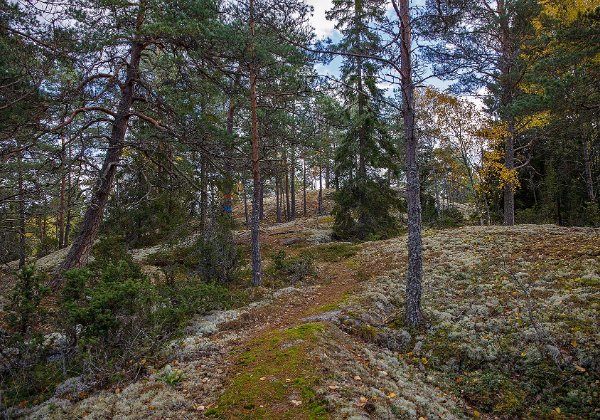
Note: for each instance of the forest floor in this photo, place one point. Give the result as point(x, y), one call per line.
point(512, 331)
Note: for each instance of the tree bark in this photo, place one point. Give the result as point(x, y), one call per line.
point(287, 193)
point(509, 189)
point(228, 182)
point(320, 199)
point(413, 316)
point(589, 180)
point(505, 65)
point(82, 245)
point(293, 184)
point(203, 191)
point(304, 187)
point(257, 204)
point(60, 217)
point(277, 199)
point(21, 187)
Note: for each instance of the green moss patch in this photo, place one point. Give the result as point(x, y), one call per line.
point(334, 252)
point(276, 378)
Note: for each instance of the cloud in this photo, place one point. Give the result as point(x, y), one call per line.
point(323, 27)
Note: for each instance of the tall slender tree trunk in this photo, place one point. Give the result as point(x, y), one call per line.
point(22, 244)
point(304, 187)
point(82, 245)
point(277, 199)
point(509, 188)
point(506, 94)
point(261, 208)
point(257, 204)
point(362, 98)
point(589, 180)
point(293, 183)
point(60, 217)
point(414, 277)
point(287, 194)
point(320, 199)
point(245, 205)
point(203, 191)
point(228, 183)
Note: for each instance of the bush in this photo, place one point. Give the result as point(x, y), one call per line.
point(364, 210)
point(216, 251)
point(117, 315)
point(292, 269)
point(24, 307)
point(23, 350)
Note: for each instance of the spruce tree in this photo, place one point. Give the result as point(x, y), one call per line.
point(364, 201)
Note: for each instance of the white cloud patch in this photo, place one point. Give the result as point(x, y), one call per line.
point(323, 27)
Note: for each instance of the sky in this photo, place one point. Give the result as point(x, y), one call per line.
point(326, 29)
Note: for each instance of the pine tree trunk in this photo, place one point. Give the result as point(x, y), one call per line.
point(414, 316)
point(277, 199)
point(320, 199)
point(203, 191)
point(82, 245)
point(589, 180)
point(21, 187)
point(60, 217)
point(287, 195)
point(362, 99)
point(509, 189)
point(245, 205)
point(228, 182)
point(293, 184)
point(257, 204)
point(304, 187)
point(505, 100)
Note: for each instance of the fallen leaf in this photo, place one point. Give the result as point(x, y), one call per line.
point(263, 378)
point(391, 395)
point(579, 368)
point(296, 402)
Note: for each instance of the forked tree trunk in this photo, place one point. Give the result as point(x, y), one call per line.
point(413, 316)
point(257, 203)
point(82, 245)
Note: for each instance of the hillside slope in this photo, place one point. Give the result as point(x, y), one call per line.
point(512, 331)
